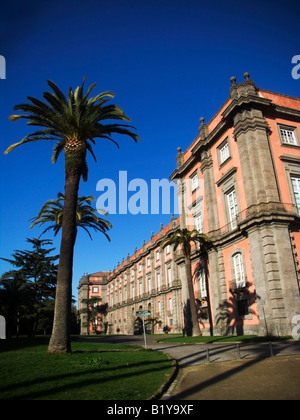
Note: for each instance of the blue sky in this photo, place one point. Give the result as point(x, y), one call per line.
point(168, 62)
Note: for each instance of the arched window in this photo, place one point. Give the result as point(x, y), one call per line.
point(201, 275)
point(158, 280)
point(170, 306)
point(159, 308)
point(239, 271)
point(149, 283)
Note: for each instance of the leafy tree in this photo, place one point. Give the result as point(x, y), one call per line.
point(29, 288)
point(74, 122)
point(53, 211)
point(14, 299)
point(151, 322)
point(183, 238)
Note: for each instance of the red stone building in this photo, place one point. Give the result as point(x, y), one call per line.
point(239, 183)
point(244, 172)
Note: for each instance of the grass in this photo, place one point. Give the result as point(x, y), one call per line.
point(219, 339)
point(92, 371)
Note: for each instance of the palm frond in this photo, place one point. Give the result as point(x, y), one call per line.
point(60, 95)
point(184, 237)
point(58, 148)
point(52, 212)
point(75, 116)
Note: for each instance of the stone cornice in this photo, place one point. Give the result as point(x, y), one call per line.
point(179, 172)
point(290, 158)
point(228, 174)
point(139, 257)
point(236, 105)
point(285, 113)
point(253, 220)
point(213, 136)
point(244, 102)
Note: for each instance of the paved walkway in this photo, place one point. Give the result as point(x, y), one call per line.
point(276, 378)
point(243, 372)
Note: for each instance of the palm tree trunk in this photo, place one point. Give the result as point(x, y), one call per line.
point(60, 339)
point(195, 329)
point(210, 318)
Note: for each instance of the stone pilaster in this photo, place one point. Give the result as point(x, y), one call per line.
point(275, 277)
point(251, 133)
point(210, 190)
point(219, 291)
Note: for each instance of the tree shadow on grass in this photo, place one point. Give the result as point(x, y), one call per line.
point(12, 344)
point(81, 379)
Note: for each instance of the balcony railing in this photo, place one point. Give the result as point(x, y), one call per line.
point(263, 209)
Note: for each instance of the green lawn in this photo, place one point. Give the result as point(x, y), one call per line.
point(92, 371)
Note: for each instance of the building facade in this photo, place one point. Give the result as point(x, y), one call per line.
point(92, 297)
point(239, 183)
point(148, 280)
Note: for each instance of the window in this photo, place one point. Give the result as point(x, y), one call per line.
point(158, 280)
point(202, 283)
point(198, 224)
point(159, 307)
point(157, 255)
point(170, 306)
point(194, 182)
point(148, 262)
point(243, 307)
point(224, 153)
point(232, 208)
point(95, 289)
point(288, 136)
point(141, 288)
point(149, 284)
point(239, 272)
point(168, 248)
point(296, 190)
point(197, 214)
point(133, 291)
point(140, 268)
point(169, 271)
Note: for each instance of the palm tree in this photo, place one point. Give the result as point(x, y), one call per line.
point(183, 238)
point(53, 210)
point(74, 122)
